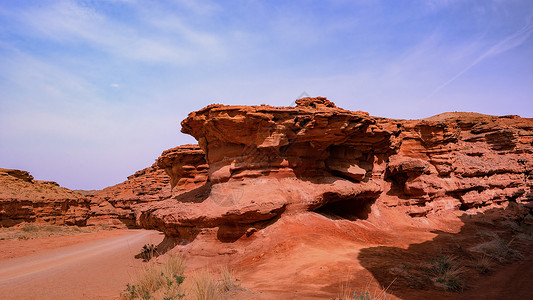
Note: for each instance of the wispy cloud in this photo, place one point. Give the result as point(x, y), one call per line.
point(96, 80)
point(70, 22)
point(440, 4)
point(512, 41)
point(34, 80)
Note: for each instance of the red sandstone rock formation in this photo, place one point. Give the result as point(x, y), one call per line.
point(299, 194)
point(266, 161)
point(185, 165)
point(462, 161)
point(120, 204)
point(255, 163)
point(115, 205)
point(23, 199)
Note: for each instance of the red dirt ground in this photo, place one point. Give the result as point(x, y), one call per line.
point(17, 248)
point(87, 266)
point(303, 256)
point(311, 256)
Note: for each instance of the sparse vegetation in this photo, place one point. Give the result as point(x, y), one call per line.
point(205, 287)
point(483, 264)
point(446, 272)
point(500, 250)
point(34, 231)
point(228, 280)
point(105, 227)
point(166, 281)
point(149, 251)
point(350, 294)
point(158, 281)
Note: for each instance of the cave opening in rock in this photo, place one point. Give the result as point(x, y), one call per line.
point(464, 207)
point(347, 208)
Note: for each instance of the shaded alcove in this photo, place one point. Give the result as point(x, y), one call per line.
point(408, 268)
point(349, 209)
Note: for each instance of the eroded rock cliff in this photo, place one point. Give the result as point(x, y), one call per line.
point(462, 161)
point(253, 164)
point(121, 204)
point(185, 165)
point(267, 161)
point(23, 199)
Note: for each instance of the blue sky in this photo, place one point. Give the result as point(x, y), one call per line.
point(91, 91)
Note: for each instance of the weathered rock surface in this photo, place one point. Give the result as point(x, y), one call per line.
point(267, 161)
point(116, 205)
point(120, 204)
point(299, 194)
point(463, 161)
point(264, 161)
point(23, 199)
point(185, 165)
point(253, 164)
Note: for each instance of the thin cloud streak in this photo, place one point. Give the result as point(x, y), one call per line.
point(510, 42)
point(99, 80)
point(69, 23)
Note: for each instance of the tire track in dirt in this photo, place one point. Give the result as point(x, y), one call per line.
point(93, 270)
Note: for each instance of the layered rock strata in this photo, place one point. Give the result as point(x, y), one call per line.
point(253, 164)
point(23, 199)
point(185, 165)
point(266, 161)
point(122, 203)
point(462, 161)
point(116, 205)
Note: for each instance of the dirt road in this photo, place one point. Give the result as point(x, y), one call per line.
point(94, 270)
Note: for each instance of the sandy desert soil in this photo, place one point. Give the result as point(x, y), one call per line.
point(86, 266)
point(300, 266)
point(310, 256)
point(14, 242)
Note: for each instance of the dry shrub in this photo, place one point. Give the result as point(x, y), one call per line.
point(148, 252)
point(483, 264)
point(158, 281)
point(499, 249)
point(175, 264)
point(228, 280)
point(446, 272)
point(346, 293)
point(205, 286)
point(164, 281)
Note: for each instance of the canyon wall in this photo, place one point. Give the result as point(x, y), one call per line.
point(254, 164)
point(176, 171)
point(267, 161)
point(23, 199)
point(462, 161)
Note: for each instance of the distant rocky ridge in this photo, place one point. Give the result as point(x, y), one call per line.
point(23, 199)
point(254, 164)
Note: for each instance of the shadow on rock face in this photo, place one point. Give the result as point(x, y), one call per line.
point(455, 265)
point(349, 209)
point(150, 251)
point(196, 195)
point(168, 243)
point(129, 222)
point(229, 233)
